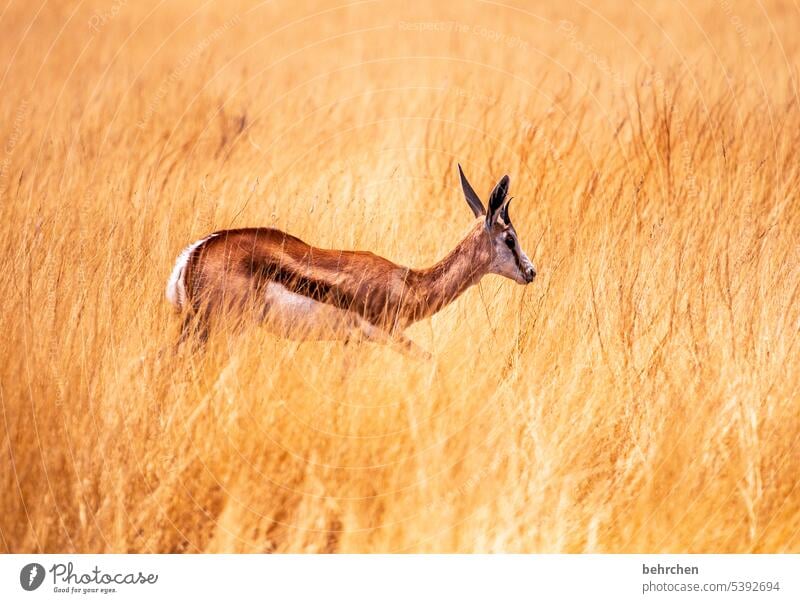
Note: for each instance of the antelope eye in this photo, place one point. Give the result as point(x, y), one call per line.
point(510, 241)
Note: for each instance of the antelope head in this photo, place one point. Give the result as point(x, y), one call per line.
point(506, 257)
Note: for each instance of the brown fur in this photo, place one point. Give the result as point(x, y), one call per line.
point(230, 270)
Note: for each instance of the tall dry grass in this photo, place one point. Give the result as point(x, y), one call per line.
point(643, 395)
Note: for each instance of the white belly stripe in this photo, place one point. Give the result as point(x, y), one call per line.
point(292, 314)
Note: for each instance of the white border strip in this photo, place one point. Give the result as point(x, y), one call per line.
point(404, 578)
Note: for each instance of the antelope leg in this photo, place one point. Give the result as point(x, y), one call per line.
point(397, 341)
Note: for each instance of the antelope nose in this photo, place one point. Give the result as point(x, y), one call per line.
point(530, 273)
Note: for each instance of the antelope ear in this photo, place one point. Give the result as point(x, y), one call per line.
point(472, 198)
point(496, 200)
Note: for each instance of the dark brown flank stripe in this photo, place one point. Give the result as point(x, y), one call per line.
point(316, 289)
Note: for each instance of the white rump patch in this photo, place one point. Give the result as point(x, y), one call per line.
point(176, 288)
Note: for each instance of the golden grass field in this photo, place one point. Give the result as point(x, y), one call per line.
point(642, 395)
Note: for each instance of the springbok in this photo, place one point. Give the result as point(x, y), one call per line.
point(305, 292)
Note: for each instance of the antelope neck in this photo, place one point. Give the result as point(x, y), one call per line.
point(438, 285)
